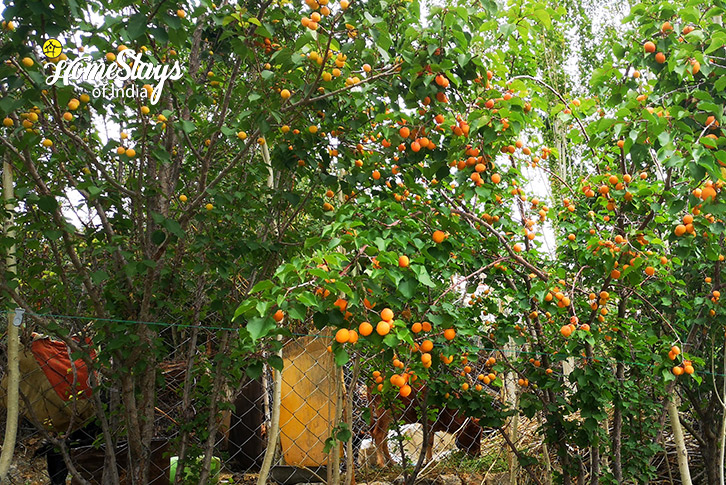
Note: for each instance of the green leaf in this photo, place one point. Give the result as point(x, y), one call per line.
point(407, 287)
point(312, 241)
point(276, 362)
point(391, 340)
point(295, 312)
point(187, 126)
point(173, 227)
point(307, 299)
point(136, 26)
point(47, 203)
point(99, 276)
point(423, 275)
point(344, 434)
point(262, 286)
point(341, 356)
point(94, 191)
point(260, 327)
point(543, 17)
point(254, 369)
point(158, 237)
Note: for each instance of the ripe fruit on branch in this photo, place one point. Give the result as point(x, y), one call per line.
point(383, 328)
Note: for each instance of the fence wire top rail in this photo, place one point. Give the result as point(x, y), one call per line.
point(594, 358)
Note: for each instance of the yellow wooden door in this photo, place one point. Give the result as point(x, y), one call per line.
point(307, 408)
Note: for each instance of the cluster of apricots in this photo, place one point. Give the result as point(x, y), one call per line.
point(686, 367)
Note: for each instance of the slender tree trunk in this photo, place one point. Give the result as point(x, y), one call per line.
point(334, 460)
point(350, 452)
point(722, 430)
point(274, 432)
point(681, 451)
point(133, 428)
point(213, 422)
point(187, 412)
point(511, 393)
point(618, 401)
point(13, 393)
point(618, 427)
point(426, 431)
point(546, 456)
point(595, 444)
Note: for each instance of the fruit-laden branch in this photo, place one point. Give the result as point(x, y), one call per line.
point(78, 141)
point(391, 70)
point(666, 188)
point(466, 214)
point(315, 83)
point(189, 211)
point(221, 116)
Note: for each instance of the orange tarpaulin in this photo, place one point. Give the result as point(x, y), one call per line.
point(67, 380)
point(47, 385)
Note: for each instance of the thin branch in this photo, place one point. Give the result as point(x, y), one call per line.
point(465, 278)
point(556, 93)
point(519, 456)
point(501, 238)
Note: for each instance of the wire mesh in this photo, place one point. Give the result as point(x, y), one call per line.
point(205, 408)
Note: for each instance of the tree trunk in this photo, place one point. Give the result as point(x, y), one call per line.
point(274, 432)
point(711, 460)
point(681, 451)
point(334, 460)
point(618, 427)
point(13, 393)
point(722, 429)
point(511, 395)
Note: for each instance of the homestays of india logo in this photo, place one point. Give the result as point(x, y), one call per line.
point(128, 65)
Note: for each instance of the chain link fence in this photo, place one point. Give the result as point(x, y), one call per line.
point(315, 422)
